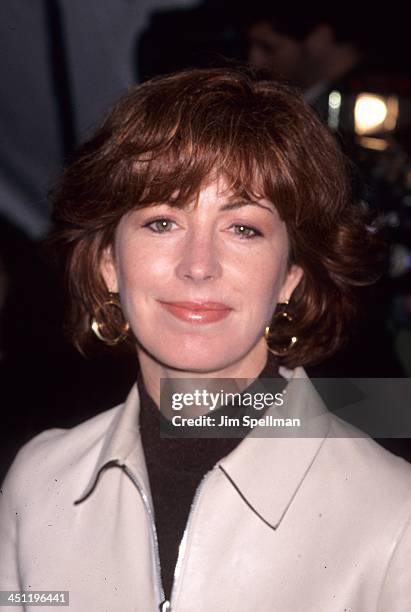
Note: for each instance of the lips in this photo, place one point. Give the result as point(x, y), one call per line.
point(197, 312)
point(199, 305)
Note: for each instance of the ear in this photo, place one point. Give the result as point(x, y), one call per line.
point(293, 277)
point(108, 270)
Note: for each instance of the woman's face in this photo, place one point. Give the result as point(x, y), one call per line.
point(224, 250)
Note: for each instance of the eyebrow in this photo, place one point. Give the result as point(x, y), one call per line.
point(235, 205)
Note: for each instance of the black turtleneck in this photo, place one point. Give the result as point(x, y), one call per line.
point(175, 468)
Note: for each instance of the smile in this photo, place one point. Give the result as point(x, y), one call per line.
point(196, 312)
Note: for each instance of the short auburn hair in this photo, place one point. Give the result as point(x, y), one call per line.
point(165, 138)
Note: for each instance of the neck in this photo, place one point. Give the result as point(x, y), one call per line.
point(246, 368)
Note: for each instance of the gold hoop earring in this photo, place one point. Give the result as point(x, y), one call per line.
point(281, 314)
point(98, 326)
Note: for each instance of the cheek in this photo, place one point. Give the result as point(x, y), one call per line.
point(142, 274)
point(262, 274)
point(267, 285)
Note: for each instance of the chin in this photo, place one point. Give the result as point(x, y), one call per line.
point(197, 366)
point(192, 356)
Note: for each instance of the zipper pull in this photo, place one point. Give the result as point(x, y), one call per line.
point(165, 606)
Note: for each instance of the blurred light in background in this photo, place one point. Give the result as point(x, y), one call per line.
point(334, 108)
point(374, 113)
point(376, 144)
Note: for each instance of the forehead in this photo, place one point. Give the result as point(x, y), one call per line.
point(219, 191)
point(217, 188)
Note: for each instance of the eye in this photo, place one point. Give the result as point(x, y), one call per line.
point(161, 225)
point(244, 231)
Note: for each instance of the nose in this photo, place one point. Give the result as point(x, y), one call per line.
point(200, 257)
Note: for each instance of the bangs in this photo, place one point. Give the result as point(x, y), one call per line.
point(177, 175)
point(168, 155)
point(199, 152)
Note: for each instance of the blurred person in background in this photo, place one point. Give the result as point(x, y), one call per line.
point(313, 50)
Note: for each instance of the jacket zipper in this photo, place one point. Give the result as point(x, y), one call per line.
point(165, 605)
point(183, 543)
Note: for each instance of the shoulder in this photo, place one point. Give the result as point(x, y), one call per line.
point(368, 490)
point(366, 460)
point(350, 453)
point(363, 478)
point(57, 454)
point(369, 487)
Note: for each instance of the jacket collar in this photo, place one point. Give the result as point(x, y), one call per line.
point(122, 446)
point(260, 465)
point(256, 467)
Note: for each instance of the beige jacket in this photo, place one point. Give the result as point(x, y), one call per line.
point(279, 525)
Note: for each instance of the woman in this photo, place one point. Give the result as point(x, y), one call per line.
point(209, 218)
